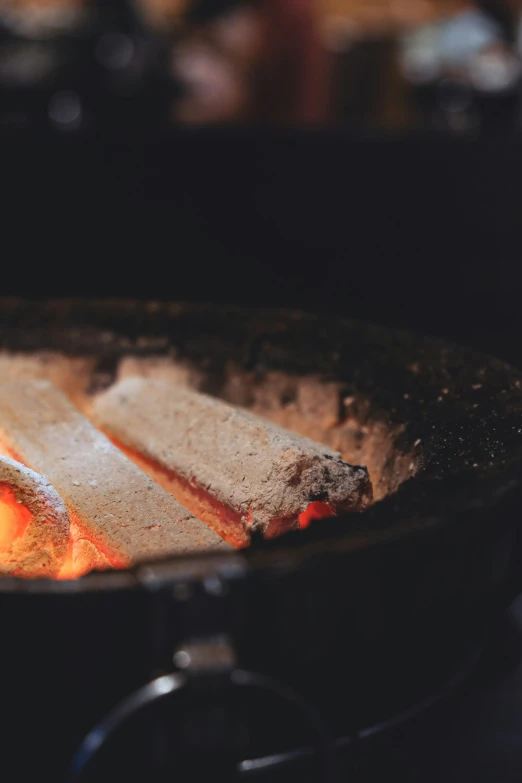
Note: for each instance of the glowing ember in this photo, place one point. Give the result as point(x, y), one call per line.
point(205, 507)
point(109, 514)
point(118, 516)
point(14, 518)
point(69, 570)
point(200, 503)
point(34, 523)
point(237, 472)
point(315, 510)
point(83, 555)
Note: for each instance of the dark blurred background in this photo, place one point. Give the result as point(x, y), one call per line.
point(362, 158)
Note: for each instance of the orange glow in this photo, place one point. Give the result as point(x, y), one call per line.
point(14, 518)
point(227, 523)
point(85, 555)
point(76, 564)
point(69, 570)
point(315, 510)
point(223, 520)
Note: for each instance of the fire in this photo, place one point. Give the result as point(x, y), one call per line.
point(14, 518)
point(315, 510)
point(73, 567)
point(225, 521)
point(206, 507)
point(84, 555)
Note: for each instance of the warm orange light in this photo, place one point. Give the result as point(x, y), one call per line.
point(315, 510)
point(227, 523)
point(14, 518)
point(84, 555)
point(69, 570)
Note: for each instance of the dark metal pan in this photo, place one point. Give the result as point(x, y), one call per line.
point(358, 616)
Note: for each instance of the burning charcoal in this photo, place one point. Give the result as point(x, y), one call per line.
point(118, 514)
point(34, 523)
point(234, 470)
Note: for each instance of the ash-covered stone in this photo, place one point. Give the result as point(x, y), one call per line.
point(113, 505)
point(263, 474)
